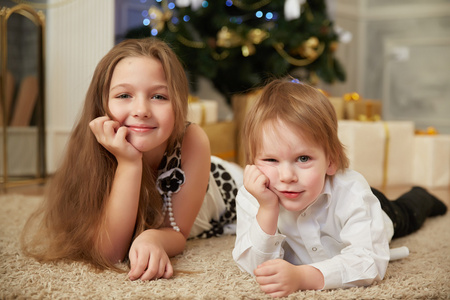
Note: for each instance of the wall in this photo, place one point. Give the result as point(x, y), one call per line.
point(400, 54)
point(79, 33)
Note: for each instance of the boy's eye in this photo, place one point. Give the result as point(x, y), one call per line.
point(269, 160)
point(303, 158)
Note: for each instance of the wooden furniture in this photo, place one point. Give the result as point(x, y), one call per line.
point(22, 134)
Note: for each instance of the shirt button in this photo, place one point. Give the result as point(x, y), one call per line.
point(303, 214)
point(314, 249)
point(277, 243)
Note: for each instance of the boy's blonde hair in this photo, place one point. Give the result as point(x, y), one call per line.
point(300, 106)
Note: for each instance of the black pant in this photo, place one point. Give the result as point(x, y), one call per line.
point(410, 210)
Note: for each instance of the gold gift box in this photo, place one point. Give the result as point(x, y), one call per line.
point(241, 105)
point(222, 138)
point(362, 110)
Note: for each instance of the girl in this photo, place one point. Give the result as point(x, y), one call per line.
point(304, 220)
point(136, 177)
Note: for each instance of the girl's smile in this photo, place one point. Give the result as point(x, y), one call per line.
point(140, 128)
point(139, 100)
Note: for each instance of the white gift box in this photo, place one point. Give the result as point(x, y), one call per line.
point(431, 163)
point(203, 112)
point(382, 151)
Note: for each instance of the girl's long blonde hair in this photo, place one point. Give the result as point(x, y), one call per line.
point(67, 224)
point(300, 106)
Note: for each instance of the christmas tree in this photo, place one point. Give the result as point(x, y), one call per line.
point(238, 44)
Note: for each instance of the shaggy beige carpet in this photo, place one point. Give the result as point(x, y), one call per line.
point(206, 270)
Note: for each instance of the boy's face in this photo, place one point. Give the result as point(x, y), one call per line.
point(296, 167)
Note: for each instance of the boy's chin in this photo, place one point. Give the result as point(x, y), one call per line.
point(293, 206)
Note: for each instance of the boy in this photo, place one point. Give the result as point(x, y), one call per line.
point(304, 220)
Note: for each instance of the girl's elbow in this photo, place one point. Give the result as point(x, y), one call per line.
point(111, 254)
point(114, 257)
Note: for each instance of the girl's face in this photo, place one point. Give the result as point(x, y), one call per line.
point(296, 167)
point(139, 100)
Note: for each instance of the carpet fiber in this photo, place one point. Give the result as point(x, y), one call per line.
point(206, 269)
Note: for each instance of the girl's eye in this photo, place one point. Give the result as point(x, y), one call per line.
point(159, 97)
point(123, 96)
point(303, 158)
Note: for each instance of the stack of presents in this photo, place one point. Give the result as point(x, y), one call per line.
point(387, 153)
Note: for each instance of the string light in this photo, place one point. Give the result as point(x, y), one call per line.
point(247, 43)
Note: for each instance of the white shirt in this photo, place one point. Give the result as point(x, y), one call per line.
point(344, 233)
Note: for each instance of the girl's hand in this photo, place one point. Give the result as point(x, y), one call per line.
point(148, 260)
point(257, 184)
point(112, 136)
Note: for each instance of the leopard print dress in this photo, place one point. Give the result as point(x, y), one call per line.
point(219, 207)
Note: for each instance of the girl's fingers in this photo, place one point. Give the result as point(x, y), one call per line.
point(121, 133)
point(110, 127)
point(98, 123)
point(168, 270)
point(156, 268)
point(139, 267)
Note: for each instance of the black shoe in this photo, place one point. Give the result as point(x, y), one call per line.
point(438, 208)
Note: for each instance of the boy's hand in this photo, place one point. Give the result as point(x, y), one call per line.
point(112, 136)
point(278, 278)
point(257, 184)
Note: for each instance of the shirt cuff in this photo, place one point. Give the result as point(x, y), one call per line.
point(264, 242)
point(331, 272)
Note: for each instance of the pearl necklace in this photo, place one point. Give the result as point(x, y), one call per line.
point(168, 210)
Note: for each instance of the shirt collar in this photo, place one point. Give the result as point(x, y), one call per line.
point(327, 190)
point(324, 196)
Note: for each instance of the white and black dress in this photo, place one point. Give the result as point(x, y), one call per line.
point(218, 212)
